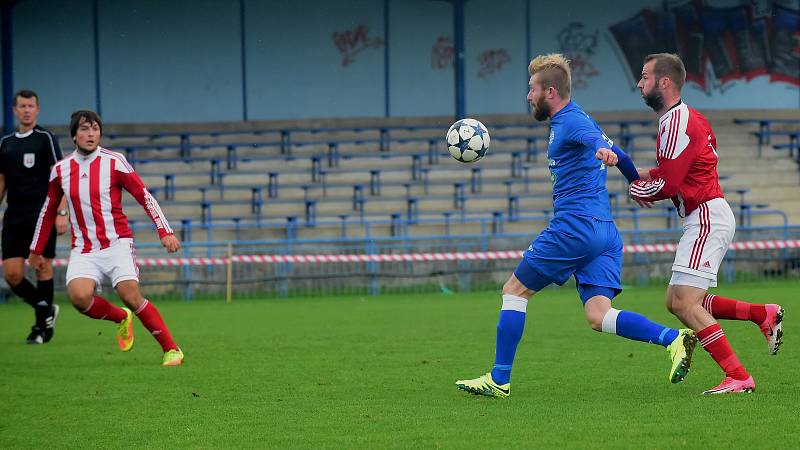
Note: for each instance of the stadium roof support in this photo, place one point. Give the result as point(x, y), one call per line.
point(458, 31)
point(6, 9)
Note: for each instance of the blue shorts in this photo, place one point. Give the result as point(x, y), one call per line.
point(588, 248)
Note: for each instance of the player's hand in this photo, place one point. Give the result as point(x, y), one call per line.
point(608, 157)
point(61, 224)
point(644, 174)
point(36, 262)
point(642, 202)
point(171, 243)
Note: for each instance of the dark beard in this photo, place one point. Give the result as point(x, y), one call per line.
point(655, 100)
point(541, 111)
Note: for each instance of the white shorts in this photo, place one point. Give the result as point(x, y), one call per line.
point(117, 262)
point(707, 233)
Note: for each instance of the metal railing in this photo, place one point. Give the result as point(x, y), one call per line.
point(455, 263)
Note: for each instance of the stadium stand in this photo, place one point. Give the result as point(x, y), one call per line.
point(394, 177)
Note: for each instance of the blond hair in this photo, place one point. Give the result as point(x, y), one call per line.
point(553, 71)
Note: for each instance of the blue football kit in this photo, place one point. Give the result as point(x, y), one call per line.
point(581, 239)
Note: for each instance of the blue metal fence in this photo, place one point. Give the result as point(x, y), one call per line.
point(282, 279)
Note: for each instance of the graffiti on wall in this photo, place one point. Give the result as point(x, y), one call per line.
point(354, 41)
point(492, 61)
point(719, 46)
point(578, 45)
point(443, 53)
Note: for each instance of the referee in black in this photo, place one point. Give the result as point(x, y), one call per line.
point(26, 157)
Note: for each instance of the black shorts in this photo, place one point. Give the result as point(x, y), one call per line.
point(18, 228)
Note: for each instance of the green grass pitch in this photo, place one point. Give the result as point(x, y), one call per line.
point(379, 372)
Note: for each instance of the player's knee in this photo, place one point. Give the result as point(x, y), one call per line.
point(595, 314)
point(80, 299)
point(133, 302)
point(131, 298)
point(508, 286)
point(46, 273)
point(595, 321)
point(597, 305)
point(677, 306)
point(669, 304)
point(515, 287)
point(13, 277)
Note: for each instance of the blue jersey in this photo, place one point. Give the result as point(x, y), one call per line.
point(579, 178)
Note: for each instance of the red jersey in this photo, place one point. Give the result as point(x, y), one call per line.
point(687, 162)
point(93, 185)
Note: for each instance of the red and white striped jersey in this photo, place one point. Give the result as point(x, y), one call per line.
point(687, 162)
point(93, 185)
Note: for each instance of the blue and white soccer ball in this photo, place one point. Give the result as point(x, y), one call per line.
point(468, 140)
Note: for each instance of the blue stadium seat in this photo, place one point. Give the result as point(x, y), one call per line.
point(231, 157)
point(459, 198)
point(446, 215)
point(476, 181)
point(186, 230)
point(516, 165)
point(257, 200)
point(412, 210)
point(311, 213)
point(169, 186)
point(236, 227)
point(323, 182)
point(396, 227)
point(513, 208)
point(272, 185)
point(316, 167)
point(333, 154)
point(764, 132)
point(425, 172)
point(343, 229)
point(497, 222)
point(206, 212)
point(291, 228)
point(416, 167)
point(374, 182)
point(358, 197)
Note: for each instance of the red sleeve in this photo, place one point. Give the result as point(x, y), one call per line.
point(132, 183)
point(666, 179)
point(677, 156)
point(47, 216)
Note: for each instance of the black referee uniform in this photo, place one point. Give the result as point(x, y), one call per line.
point(25, 160)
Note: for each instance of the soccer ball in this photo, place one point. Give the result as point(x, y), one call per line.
point(467, 140)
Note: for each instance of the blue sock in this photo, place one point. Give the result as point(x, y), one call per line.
point(509, 333)
point(637, 327)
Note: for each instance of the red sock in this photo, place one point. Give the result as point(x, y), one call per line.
point(727, 308)
point(151, 319)
point(101, 309)
point(716, 344)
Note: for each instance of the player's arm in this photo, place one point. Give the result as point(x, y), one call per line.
point(607, 152)
point(665, 179)
point(625, 164)
point(62, 217)
point(132, 183)
point(644, 174)
point(46, 219)
point(55, 155)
